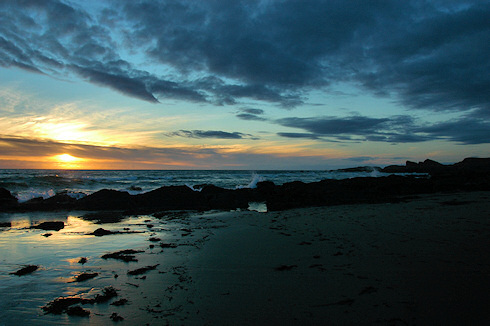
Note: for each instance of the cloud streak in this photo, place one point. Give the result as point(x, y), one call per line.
point(199, 134)
point(395, 129)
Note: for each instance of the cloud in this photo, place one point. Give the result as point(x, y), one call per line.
point(210, 134)
point(395, 129)
point(129, 86)
point(32, 153)
point(248, 116)
point(429, 55)
point(464, 131)
point(253, 111)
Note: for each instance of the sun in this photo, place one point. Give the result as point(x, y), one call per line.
point(67, 158)
point(67, 161)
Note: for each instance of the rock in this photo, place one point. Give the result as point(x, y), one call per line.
point(85, 276)
point(103, 217)
point(28, 269)
point(142, 270)
point(107, 294)
point(101, 232)
point(106, 199)
point(120, 302)
point(50, 226)
point(116, 317)
point(7, 200)
point(285, 267)
point(124, 255)
point(63, 304)
point(5, 225)
point(77, 311)
point(82, 260)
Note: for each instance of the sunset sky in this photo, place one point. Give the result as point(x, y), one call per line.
point(242, 84)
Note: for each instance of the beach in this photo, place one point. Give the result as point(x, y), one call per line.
point(422, 260)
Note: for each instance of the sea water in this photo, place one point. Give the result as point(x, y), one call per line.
point(28, 184)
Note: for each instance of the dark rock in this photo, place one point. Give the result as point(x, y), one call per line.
point(85, 276)
point(168, 245)
point(50, 226)
point(285, 267)
point(106, 199)
point(101, 232)
point(28, 269)
point(62, 304)
point(472, 174)
point(360, 169)
point(82, 260)
point(124, 255)
point(142, 270)
point(116, 317)
point(60, 200)
point(107, 294)
point(103, 217)
point(59, 305)
point(5, 225)
point(46, 235)
point(77, 311)
point(7, 200)
point(120, 302)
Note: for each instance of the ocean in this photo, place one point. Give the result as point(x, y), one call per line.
point(28, 184)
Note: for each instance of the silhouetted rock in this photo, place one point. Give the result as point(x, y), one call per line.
point(469, 175)
point(50, 226)
point(85, 276)
point(7, 200)
point(28, 269)
point(142, 270)
point(126, 255)
point(77, 311)
point(106, 199)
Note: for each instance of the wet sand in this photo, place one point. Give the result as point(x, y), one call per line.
point(422, 261)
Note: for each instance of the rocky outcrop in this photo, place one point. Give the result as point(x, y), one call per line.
point(7, 200)
point(469, 175)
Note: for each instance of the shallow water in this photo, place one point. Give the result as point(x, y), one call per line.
point(57, 257)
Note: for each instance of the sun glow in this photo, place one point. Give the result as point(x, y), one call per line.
point(67, 158)
point(67, 161)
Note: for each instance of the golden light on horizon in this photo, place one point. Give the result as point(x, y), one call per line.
point(67, 161)
point(67, 158)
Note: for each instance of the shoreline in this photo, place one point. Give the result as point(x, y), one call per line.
point(421, 261)
point(471, 174)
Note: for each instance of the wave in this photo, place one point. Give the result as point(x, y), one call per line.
point(28, 184)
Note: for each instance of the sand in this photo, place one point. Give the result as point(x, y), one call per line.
point(425, 260)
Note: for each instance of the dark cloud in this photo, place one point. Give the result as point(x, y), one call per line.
point(252, 111)
point(210, 134)
point(395, 129)
point(248, 116)
point(464, 131)
point(298, 135)
point(431, 55)
point(129, 86)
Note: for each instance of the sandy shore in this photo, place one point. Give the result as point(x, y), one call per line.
point(422, 261)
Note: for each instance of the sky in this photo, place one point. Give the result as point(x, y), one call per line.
point(242, 84)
